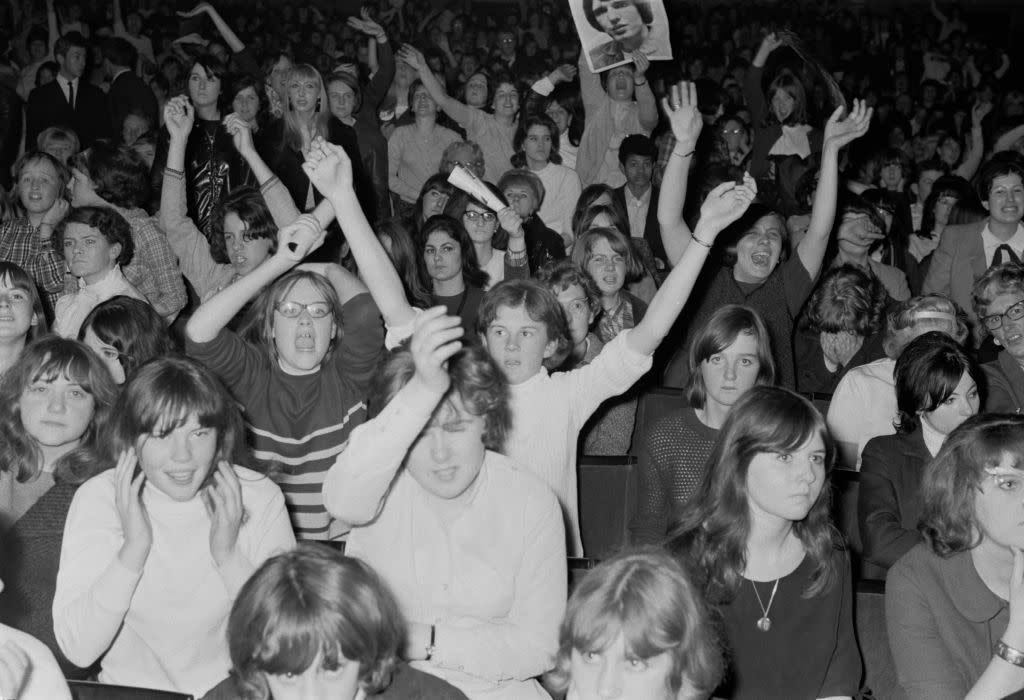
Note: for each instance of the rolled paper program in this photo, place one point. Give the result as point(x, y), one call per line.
point(474, 187)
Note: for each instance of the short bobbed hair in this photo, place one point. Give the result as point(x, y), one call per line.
point(247, 204)
point(520, 177)
point(540, 304)
point(133, 327)
point(642, 7)
point(951, 481)
point(847, 300)
point(308, 602)
point(1007, 278)
point(117, 172)
point(583, 250)
point(527, 123)
point(475, 377)
point(927, 373)
point(47, 359)
point(721, 331)
point(107, 221)
point(909, 319)
point(788, 82)
point(997, 167)
point(162, 395)
point(646, 596)
point(16, 278)
point(559, 275)
point(712, 536)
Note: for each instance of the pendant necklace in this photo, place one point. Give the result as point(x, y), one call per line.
point(764, 623)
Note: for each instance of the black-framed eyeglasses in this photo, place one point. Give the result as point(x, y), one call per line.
point(292, 309)
point(995, 321)
point(486, 216)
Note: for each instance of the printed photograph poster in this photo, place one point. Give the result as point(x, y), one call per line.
point(610, 30)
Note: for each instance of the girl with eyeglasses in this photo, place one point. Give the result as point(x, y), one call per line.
point(999, 303)
point(499, 255)
point(300, 368)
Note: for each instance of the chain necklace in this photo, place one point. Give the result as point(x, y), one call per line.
point(764, 623)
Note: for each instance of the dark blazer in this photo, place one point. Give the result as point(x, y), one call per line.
point(1004, 385)
point(47, 106)
point(129, 93)
point(956, 264)
point(652, 231)
point(889, 503)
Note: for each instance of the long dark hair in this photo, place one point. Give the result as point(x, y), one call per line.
point(471, 272)
point(713, 535)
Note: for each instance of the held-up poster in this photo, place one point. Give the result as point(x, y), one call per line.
point(610, 30)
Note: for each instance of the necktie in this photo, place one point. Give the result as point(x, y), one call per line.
point(71, 94)
point(1004, 254)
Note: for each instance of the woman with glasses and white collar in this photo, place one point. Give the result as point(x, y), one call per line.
point(998, 298)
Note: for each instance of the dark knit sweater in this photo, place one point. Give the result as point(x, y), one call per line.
point(671, 462)
point(29, 561)
point(778, 301)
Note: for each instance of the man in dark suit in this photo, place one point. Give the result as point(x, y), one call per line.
point(128, 93)
point(965, 252)
point(69, 100)
point(639, 197)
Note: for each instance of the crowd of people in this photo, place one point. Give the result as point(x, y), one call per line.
point(284, 413)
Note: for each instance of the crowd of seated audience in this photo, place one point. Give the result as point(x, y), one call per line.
point(288, 410)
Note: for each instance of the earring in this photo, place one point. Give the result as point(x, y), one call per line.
point(317, 105)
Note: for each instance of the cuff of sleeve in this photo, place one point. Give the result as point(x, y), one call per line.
point(516, 258)
point(544, 86)
point(396, 335)
point(179, 174)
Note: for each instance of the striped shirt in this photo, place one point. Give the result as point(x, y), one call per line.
point(298, 425)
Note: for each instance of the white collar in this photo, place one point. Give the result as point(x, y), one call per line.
point(990, 242)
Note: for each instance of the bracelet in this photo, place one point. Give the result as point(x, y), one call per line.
point(683, 155)
point(698, 241)
point(1008, 654)
point(430, 646)
point(642, 82)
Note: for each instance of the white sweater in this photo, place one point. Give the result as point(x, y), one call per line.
point(491, 579)
point(165, 627)
point(549, 410)
point(562, 190)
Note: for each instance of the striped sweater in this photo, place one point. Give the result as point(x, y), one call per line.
point(298, 425)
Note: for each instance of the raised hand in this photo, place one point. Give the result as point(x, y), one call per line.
point(223, 500)
point(435, 338)
point(199, 9)
point(511, 222)
point(135, 526)
point(979, 111)
point(365, 24)
point(241, 133)
point(640, 64)
point(14, 669)
point(179, 117)
point(563, 73)
point(299, 238)
point(680, 106)
point(413, 56)
point(770, 43)
point(839, 132)
point(328, 167)
point(725, 204)
point(56, 213)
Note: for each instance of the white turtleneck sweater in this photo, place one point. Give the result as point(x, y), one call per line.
point(164, 627)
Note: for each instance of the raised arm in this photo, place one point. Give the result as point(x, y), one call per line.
point(752, 92)
point(294, 242)
point(648, 107)
point(241, 136)
point(591, 92)
point(974, 154)
point(684, 118)
point(725, 204)
point(357, 483)
point(382, 60)
point(455, 109)
point(330, 171)
point(838, 133)
point(228, 34)
point(119, 28)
